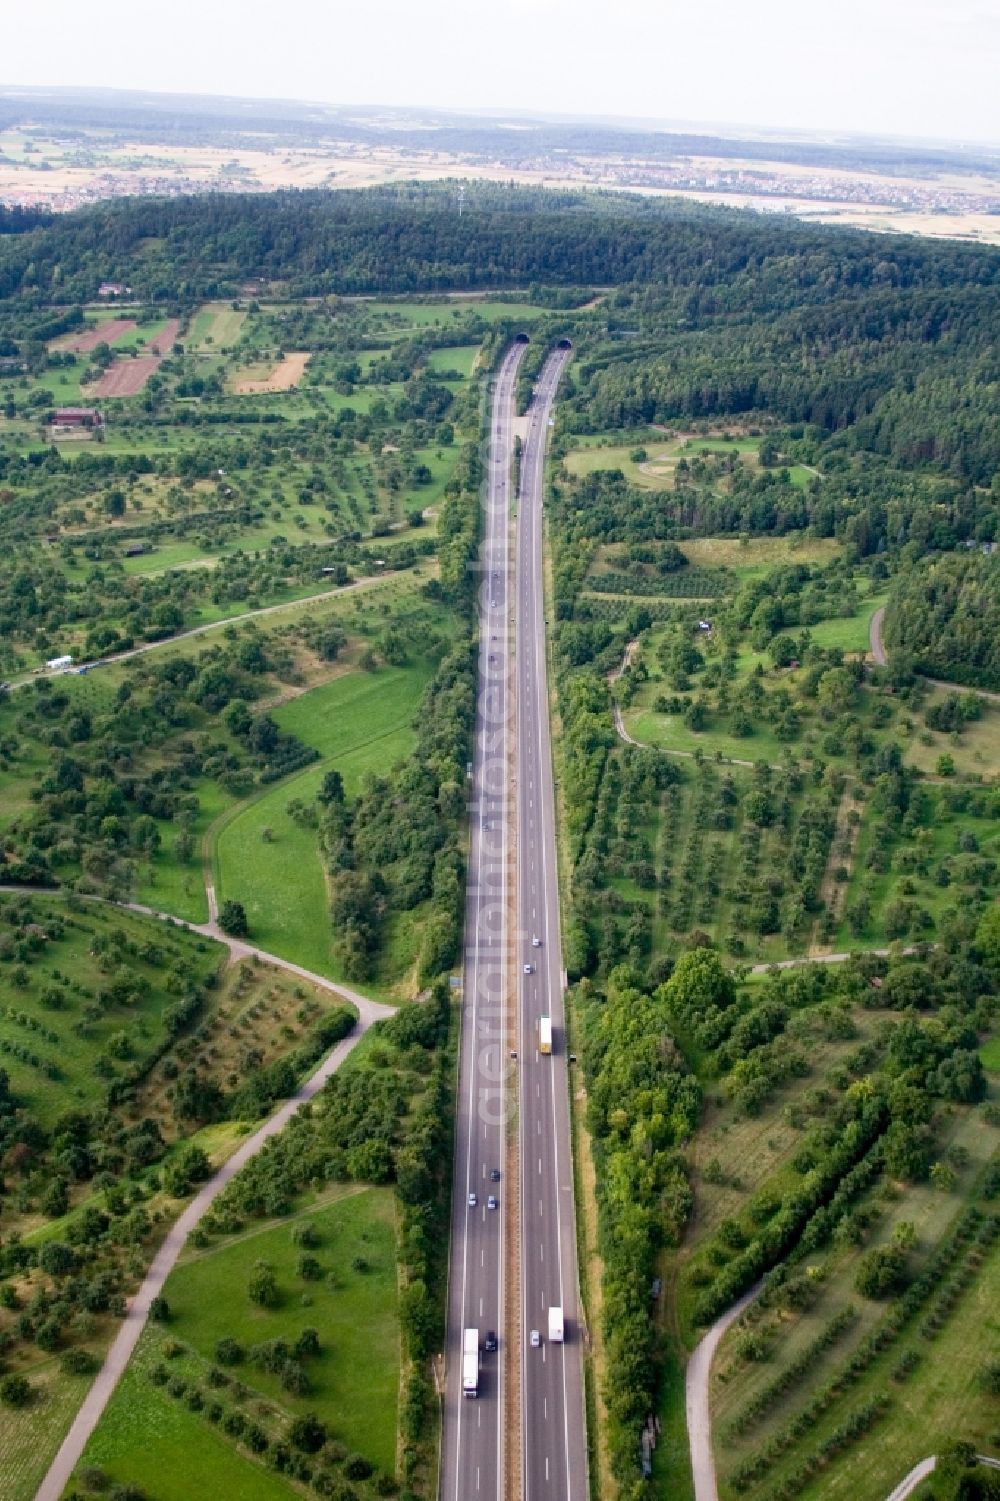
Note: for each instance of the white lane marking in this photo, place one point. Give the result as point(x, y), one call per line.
point(541, 1250)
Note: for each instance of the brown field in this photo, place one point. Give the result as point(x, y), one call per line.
point(101, 333)
point(125, 377)
point(286, 374)
point(165, 338)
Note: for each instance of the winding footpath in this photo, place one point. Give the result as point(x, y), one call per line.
point(71, 1450)
point(697, 1395)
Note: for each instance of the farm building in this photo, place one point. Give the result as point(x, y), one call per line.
point(113, 289)
point(77, 417)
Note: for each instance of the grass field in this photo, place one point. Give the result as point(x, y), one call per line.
point(656, 470)
point(460, 357)
point(150, 1439)
point(990, 1055)
point(30, 1436)
point(449, 311)
point(975, 751)
point(360, 723)
point(216, 326)
point(757, 555)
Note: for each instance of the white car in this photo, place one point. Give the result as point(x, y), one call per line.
point(491, 1202)
point(536, 1339)
point(473, 1201)
point(529, 969)
point(536, 943)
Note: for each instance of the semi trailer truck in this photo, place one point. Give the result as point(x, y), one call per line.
point(470, 1363)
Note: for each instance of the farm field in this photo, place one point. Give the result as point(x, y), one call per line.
point(283, 376)
point(214, 327)
point(944, 1388)
point(72, 1021)
point(361, 723)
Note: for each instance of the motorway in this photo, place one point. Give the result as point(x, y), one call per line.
point(553, 1431)
point(472, 1462)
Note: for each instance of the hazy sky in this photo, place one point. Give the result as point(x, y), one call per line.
point(905, 67)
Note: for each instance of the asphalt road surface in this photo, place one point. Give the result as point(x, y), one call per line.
point(472, 1464)
point(553, 1431)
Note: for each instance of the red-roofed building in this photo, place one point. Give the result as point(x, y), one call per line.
point(77, 417)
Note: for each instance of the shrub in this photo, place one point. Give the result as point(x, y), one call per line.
point(15, 1391)
point(881, 1272)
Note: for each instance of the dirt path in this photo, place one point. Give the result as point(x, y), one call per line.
point(623, 734)
point(875, 637)
point(117, 1358)
point(211, 625)
point(697, 1385)
point(630, 650)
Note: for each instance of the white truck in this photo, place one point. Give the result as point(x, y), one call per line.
point(470, 1363)
point(545, 1034)
point(555, 1326)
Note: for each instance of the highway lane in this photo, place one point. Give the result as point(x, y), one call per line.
point(472, 1465)
point(554, 1451)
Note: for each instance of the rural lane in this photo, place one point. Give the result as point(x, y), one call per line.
point(697, 1379)
point(200, 630)
point(926, 1467)
point(878, 651)
point(917, 1475)
point(125, 1341)
point(875, 637)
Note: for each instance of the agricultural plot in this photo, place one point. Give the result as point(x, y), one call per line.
point(85, 998)
point(921, 1371)
point(267, 856)
point(216, 326)
point(285, 375)
point(109, 331)
point(736, 854)
point(353, 1376)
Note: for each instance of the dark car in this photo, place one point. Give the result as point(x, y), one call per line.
point(494, 1175)
point(491, 1339)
